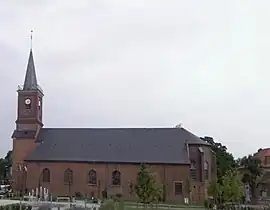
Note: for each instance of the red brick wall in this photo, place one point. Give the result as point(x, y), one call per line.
point(165, 173)
point(170, 173)
point(21, 149)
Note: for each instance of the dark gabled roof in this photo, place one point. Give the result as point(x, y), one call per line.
point(30, 81)
point(116, 145)
point(23, 134)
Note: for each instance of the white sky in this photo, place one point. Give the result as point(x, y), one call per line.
point(143, 63)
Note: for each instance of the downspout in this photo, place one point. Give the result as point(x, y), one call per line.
point(188, 179)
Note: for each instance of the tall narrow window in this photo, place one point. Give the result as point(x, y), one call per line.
point(193, 171)
point(92, 177)
point(68, 176)
point(178, 188)
point(116, 177)
point(46, 175)
point(206, 171)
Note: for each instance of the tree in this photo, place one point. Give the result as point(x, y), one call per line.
point(5, 165)
point(232, 186)
point(146, 188)
point(215, 190)
point(224, 160)
point(253, 171)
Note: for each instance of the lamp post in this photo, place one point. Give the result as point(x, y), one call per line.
point(39, 181)
point(69, 190)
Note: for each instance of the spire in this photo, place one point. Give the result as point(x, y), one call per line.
point(30, 81)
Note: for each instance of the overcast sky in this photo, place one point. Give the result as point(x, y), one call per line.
point(143, 63)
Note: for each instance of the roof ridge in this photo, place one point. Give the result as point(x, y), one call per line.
point(169, 128)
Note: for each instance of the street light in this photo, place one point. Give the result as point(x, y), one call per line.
point(68, 176)
point(39, 185)
point(69, 190)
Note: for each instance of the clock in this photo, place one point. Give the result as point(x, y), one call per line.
point(39, 103)
point(27, 101)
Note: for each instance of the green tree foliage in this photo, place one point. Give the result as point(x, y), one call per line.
point(229, 189)
point(8, 158)
point(232, 186)
point(252, 171)
point(215, 190)
point(225, 160)
point(146, 188)
point(5, 165)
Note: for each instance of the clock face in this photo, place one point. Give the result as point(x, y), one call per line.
point(27, 101)
point(39, 103)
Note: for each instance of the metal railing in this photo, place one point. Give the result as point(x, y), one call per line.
point(20, 88)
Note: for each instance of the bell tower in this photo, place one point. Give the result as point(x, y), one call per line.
point(30, 95)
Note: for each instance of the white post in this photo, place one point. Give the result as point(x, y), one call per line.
point(40, 193)
point(37, 192)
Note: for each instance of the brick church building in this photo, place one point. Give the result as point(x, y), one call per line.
point(91, 161)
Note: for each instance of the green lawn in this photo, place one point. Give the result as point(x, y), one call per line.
point(162, 208)
point(128, 205)
point(165, 205)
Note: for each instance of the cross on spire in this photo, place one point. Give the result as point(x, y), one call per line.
point(31, 40)
point(30, 81)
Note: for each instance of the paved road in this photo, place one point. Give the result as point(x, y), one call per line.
point(4, 202)
point(37, 205)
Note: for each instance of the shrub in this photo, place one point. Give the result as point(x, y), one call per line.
point(95, 200)
point(107, 205)
point(54, 198)
point(78, 195)
point(118, 195)
point(104, 194)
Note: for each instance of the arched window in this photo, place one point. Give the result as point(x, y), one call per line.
point(116, 177)
point(206, 171)
point(68, 176)
point(46, 175)
point(193, 171)
point(92, 177)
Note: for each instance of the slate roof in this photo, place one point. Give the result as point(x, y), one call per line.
point(30, 81)
point(114, 145)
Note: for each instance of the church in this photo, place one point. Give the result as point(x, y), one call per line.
point(103, 161)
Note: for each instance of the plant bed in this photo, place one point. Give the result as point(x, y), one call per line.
point(16, 207)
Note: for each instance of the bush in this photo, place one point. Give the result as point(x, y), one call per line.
point(118, 195)
point(95, 200)
point(54, 198)
point(104, 194)
point(78, 195)
point(16, 207)
point(208, 204)
point(15, 198)
point(107, 205)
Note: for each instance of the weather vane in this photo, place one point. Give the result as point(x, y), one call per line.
point(31, 39)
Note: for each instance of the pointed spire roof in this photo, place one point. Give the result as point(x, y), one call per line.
point(30, 81)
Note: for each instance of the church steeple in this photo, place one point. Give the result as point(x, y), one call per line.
point(30, 98)
point(30, 81)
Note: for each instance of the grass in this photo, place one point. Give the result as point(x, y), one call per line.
point(161, 207)
point(128, 205)
point(165, 205)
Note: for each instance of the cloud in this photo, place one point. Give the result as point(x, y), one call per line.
point(143, 64)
